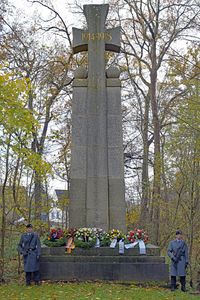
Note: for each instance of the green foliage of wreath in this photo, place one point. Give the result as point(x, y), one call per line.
point(105, 242)
point(55, 243)
point(85, 245)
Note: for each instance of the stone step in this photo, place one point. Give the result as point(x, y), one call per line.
point(103, 264)
point(105, 259)
point(102, 251)
point(113, 271)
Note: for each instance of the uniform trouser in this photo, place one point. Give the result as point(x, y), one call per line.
point(36, 276)
point(182, 280)
point(173, 281)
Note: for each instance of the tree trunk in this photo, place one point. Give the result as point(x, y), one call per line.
point(157, 154)
point(38, 196)
point(144, 216)
point(3, 216)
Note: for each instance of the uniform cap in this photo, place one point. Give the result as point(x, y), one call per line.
point(178, 232)
point(29, 226)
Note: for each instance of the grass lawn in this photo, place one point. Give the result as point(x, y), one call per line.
point(93, 291)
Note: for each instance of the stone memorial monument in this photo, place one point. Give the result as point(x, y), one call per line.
point(97, 171)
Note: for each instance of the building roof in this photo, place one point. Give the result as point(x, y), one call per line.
point(62, 194)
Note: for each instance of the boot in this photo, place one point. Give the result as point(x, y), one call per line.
point(183, 289)
point(173, 283)
point(173, 288)
point(183, 282)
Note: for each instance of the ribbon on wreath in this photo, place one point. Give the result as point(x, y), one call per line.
point(97, 245)
point(142, 247)
point(113, 243)
point(70, 245)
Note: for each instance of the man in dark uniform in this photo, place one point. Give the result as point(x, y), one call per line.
point(178, 252)
point(29, 246)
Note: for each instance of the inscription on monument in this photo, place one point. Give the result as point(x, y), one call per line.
point(98, 36)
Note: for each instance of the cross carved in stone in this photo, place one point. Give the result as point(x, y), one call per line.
point(96, 39)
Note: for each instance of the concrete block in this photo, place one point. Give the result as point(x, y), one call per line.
point(103, 264)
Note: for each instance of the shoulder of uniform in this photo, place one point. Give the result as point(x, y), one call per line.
point(173, 241)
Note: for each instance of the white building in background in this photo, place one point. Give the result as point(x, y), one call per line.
point(57, 216)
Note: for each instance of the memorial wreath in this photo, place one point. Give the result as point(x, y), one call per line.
point(92, 237)
point(55, 238)
point(85, 238)
point(137, 234)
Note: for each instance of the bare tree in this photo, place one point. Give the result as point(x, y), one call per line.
point(150, 29)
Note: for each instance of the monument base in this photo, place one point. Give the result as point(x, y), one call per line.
point(103, 264)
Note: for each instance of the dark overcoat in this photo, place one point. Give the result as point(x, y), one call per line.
point(30, 247)
point(178, 252)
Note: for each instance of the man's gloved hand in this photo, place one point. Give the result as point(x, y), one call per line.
point(38, 257)
point(186, 265)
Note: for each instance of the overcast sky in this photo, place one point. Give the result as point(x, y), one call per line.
point(60, 5)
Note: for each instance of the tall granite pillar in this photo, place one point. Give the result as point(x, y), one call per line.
point(78, 184)
point(115, 150)
point(97, 180)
